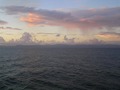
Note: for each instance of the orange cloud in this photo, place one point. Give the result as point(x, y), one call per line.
point(37, 19)
point(76, 19)
point(32, 19)
point(111, 36)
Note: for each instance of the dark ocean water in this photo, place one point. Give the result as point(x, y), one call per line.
point(50, 68)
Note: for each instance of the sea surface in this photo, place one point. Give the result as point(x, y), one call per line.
point(59, 68)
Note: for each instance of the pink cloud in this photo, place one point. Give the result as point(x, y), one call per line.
point(32, 19)
point(78, 19)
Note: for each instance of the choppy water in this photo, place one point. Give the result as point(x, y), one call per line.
point(35, 68)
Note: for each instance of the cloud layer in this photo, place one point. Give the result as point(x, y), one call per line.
point(29, 39)
point(2, 22)
point(75, 19)
point(9, 28)
point(109, 35)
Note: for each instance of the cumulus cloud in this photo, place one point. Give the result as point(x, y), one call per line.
point(2, 41)
point(29, 39)
point(95, 41)
point(2, 22)
point(75, 19)
point(58, 35)
point(69, 40)
point(9, 28)
point(26, 38)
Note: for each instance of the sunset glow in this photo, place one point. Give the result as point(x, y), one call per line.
point(61, 22)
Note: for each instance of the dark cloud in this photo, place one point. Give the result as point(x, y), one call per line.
point(81, 19)
point(9, 28)
point(95, 41)
point(58, 35)
point(26, 38)
point(11, 10)
point(2, 41)
point(2, 22)
point(69, 40)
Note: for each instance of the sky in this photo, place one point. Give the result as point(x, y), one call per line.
point(71, 22)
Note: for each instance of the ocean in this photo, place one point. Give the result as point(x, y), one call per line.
point(59, 68)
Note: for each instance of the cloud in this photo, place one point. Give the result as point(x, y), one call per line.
point(74, 19)
point(11, 10)
point(2, 41)
point(69, 41)
point(33, 19)
point(109, 35)
point(47, 33)
point(29, 39)
point(58, 35)
point(95, 41)
point(26, 38)
point(9, 28)
point(2, 22)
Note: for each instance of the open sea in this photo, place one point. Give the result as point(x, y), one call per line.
point(59, 68)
